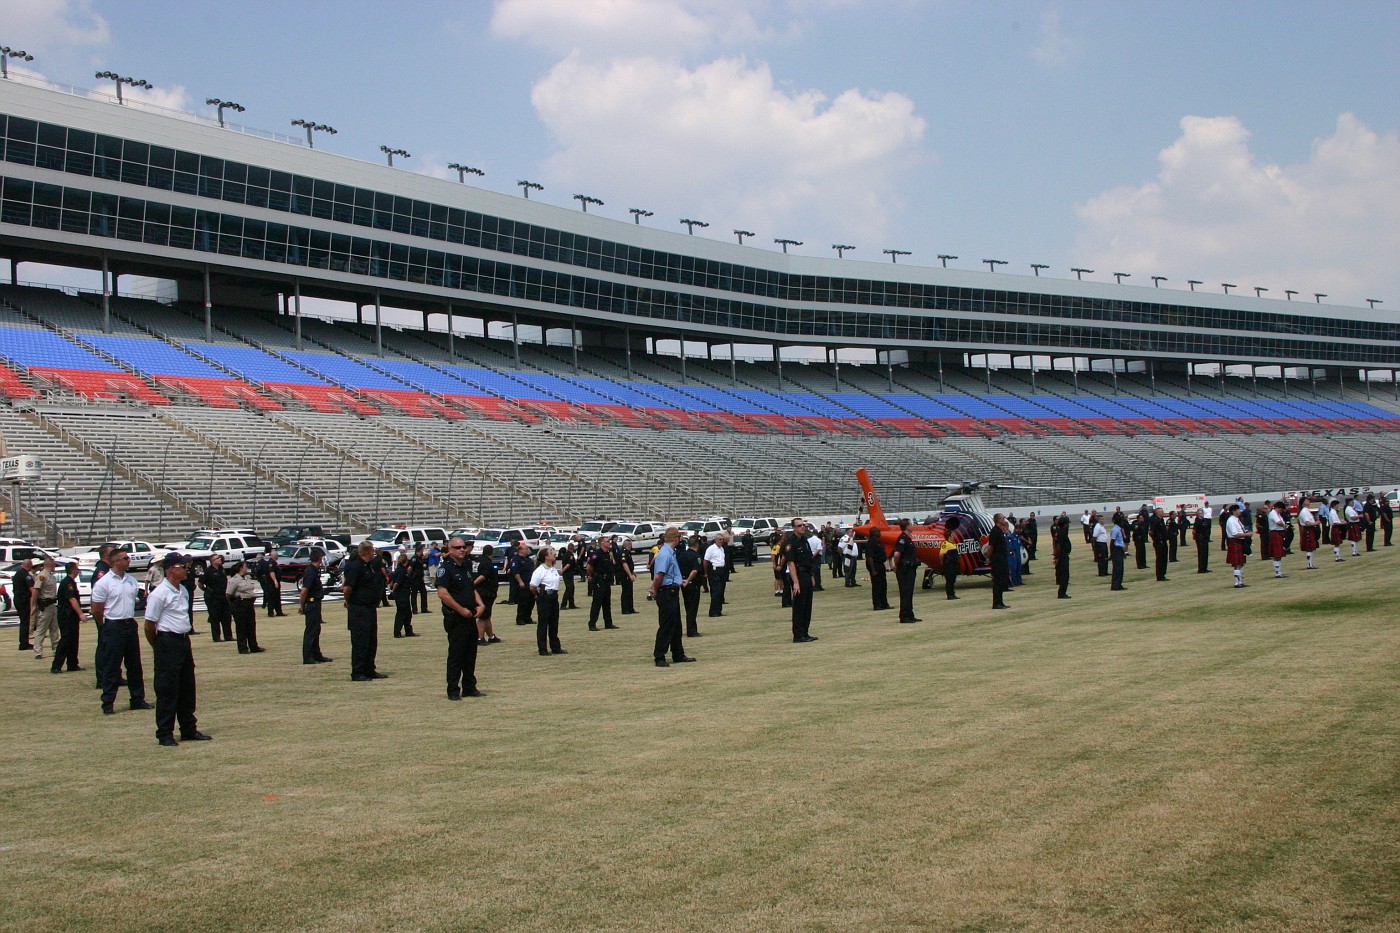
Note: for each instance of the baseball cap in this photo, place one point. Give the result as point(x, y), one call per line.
point(173, 560)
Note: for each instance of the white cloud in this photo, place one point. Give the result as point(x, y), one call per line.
point(1217, 213)
point(629, 27)
point(1053, 47)
point(39, 26)
point(723, 141)
point(164, 98)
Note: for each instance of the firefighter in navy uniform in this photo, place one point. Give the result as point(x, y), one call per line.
point(800, 567)
point(460, 606)
point(312, 592)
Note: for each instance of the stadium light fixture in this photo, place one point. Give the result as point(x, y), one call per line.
point(1319, 296)
point(1037, 266)
point(584, 200)
point(1079, 273)
point(1373, 302)
point(225, 105)
point(841, 249)
point(637, 214)
point(690, 225)
point(119, 80)
point(943, 258)
point(1259, 292)
point(1193, 283)
point(894, 254)
point(785, 243)
point(993, 263)
point(1289, 293)
point(1227, 286)
point(1157, 280)
point(743, 233)
point(390, 153)
point(312, 126)
point(463, 171)
point(7, 53)
point(527, 186)
point(1120, 276)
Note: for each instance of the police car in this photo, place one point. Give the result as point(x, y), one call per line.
point(393, 538)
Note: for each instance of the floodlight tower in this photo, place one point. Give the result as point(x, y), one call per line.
point(7, 53)
point(225, 105)
point(527, 186)
point(785, 243)
point(584, 200)
point(390, 153)
point(894, 254)
point(463, 171)
point(841, 249)
point(119, 80)
point(1157, 280)
point(943, 258)
point(690, 225)
point(1079, 273)
point(312, 126)
point(638, 213)
point(993, 263)
point(1037, 266)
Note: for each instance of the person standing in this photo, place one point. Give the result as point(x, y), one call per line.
point(1309, 533)
point(544, 587)
point(44, 621)
point(1157, 531)
point(114, 609)
point(905, 558)
point(628, 578)
point(363, 586)
point(568, 569)
point(418, 582)
point(603, 568)
point(1372, 515)
point(1354, 519)
point(1100, 536)
point(1060, 550)
point(243, 600)
point(1338, 529)
point(214, 582)
point(717, 570)
point(265, 573)
point(799, 563)
point(1236, 535)
point(460, 605)
point(1087, 521)
point(1200, 530)
point(168, 633)
point(1118, 551)
point(403, 595)
point(818, 547)
point(1275, 541)
point(487, 583)
point(1171, 538)
point(522, 566)
point(309, 605)
point(1387, 520)
point(875, 558)
point(666, 580)
point(1140, 538)
point(70, 615)
point(692, 566)
point(22, 583)
point(849, 548)
point(997, 560)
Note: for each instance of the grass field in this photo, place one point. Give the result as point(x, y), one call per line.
point(1182, 756)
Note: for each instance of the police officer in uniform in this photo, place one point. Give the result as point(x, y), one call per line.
point(1060, 548)
point(418, 585)
point(114, 610)
point(568, 569)
point(487, 582)
point(460, 604)
point(1200, 530)
point(692, 566)
point(800, 565)
point(522, 567)
point(905, 558)
point(215, 585)
point(265, 572)
point(312, 592)
point(875, 558)
point(1157, 531)
point(363, 586)
point(603, 568)
point(1140, 539)
point(999, 560)
point(717, 570)
point(628, 577)
point(666, 582)
point(23, 585)
point(70, 614)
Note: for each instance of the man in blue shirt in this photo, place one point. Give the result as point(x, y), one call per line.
point(666, 591)
point(1118, 550)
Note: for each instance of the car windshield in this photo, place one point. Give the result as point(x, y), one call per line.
point(744, 523)
point(290, 551)
point(386, 535)
point(596, 527)
point(489, 534)
point(287, 531)
point(625, 528)
point(199, 544)
point(693, 526)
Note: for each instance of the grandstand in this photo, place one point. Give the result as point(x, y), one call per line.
point(228, 406)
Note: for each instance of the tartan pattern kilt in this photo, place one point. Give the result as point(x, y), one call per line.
point(1339, 532)
point(1234, 552)
point(1308, 536)
point(1354, 530)
point(1273, 547)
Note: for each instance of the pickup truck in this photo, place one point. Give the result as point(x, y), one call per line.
point(291, 534)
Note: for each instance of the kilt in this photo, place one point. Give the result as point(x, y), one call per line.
point(1234, 552)
point(1273, 546)
point(1339, 532)
point(1308, 535)
point(1354, 530)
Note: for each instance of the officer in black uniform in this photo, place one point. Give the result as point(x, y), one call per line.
point(568, 570)
point(460, 605)
point(1060, 547)
point(905, 558)
point(800, 564)
point(1157, 531)
point(522, 567)
point(688, 556)
point(488, 583)
point(265, 572)
point(363, 586)
point(1171, 538)
point(23, 586)
point(1140, 539)
point(875, 558)
point(70, 614)
point(312, 591)
point(418, 586)
point(626, 578)
point(214, 582)
point(603, 568)
point(999, 560)
point(1200, 530)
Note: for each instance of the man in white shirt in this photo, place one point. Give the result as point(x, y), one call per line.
point(1087, 521)
point(1354, 526)
point(1100, 534)
point(818, 546)
point(114, 611)
point(168, 631)
point(1235, 538)
point(1277, 529)
point(717, 572)
point(850, 554)
point(1308, 531)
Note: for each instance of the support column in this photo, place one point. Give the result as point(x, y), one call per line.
point(1113, 370)
point(1341, 382)
point(733, 369)
point(1034, 387)
point(1283, 379)
point(106, 298)
point(778, 359)
point(14, 274)
point(889, 368)
point(208, 309)
point(836, 362)
point(1152, 376)
point(425, 320)
point(1254, 378)
point(1367, 374)
point(378, 328)
point(573, 341)
point(359, 313)
point(987, 369)
point(296, 310)
point(515, 334)
point(1190, 368)
point(1074, 372)
point(683, 375)
point(941, 387)
point(627, 344)
point(451, 336)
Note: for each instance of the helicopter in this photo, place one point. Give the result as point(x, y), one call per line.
point(963, 500)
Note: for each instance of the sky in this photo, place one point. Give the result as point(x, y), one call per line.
point(1246, 142)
